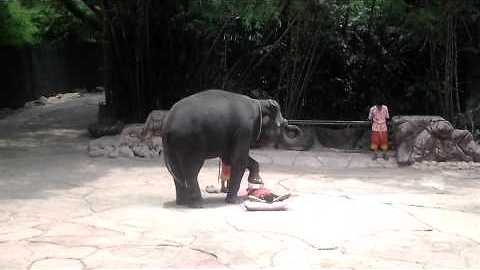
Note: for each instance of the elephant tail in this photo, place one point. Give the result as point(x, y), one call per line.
point(171, 162)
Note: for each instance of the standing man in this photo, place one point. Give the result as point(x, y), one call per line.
point(379, 139)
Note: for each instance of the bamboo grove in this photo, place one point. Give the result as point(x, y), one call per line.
point(320, 58)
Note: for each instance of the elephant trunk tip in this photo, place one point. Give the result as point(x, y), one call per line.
point(293, 131)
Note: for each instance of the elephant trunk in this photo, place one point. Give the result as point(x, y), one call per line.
point(291, 133)
point(296, 138)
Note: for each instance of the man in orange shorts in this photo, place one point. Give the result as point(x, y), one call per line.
point(379, 139)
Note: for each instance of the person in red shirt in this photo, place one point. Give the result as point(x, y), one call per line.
point(378, 116)
point(225, 174)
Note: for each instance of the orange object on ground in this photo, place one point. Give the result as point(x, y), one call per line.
point(379, 139)
point(226, 172)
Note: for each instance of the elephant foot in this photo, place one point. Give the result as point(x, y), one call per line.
point(233, 200)
point(255, 180)
point(196, 204)
point(190, 203)
point(181, 202)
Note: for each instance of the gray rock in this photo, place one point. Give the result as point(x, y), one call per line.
point(102, 146)
point(131, 134)
point(42, 100)
point(110, 148)
point(140, 140)
point(100, 129)
point(125, 151)
point(114, 153)
point(432, 138)
point(142, 150)
point(96, 152)
point(153, 124)
point(38, 102)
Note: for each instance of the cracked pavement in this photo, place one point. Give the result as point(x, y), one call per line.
point(61, 209)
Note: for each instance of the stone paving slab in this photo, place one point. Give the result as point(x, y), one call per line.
point(60, 209)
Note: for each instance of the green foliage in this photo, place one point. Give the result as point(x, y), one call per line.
point(30, 22)
point(56, 23)
point(322, 58)
point(336, 54)
point(253, 14)
point(17, 27)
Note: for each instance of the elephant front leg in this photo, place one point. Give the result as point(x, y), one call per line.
point(234, 184)
point(238, 160)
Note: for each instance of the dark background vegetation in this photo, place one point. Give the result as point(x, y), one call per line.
point(321, 59)
point(46, 70)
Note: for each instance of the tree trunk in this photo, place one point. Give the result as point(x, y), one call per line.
point(452, 95)
point(107, 59)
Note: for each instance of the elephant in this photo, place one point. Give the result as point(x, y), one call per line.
point(216, 123)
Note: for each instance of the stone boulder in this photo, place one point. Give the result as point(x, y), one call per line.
point(153, 124)
point(128, 144)
point(431, 138)
point(41, 101)
point(101, 129)
point(104, 146)
point(134, 140)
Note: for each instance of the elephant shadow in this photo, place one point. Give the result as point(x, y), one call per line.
point(208, 202)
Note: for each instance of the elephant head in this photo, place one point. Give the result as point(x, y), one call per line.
point(274, 126)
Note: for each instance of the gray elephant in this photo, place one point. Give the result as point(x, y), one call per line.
point(216, 123)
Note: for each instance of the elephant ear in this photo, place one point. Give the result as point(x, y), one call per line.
point(273, 105)
point(273, 114)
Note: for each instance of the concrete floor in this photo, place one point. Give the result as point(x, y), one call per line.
point(60, 209)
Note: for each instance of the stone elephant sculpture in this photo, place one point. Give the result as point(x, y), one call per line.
point(216, 123)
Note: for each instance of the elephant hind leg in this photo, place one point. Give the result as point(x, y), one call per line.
point(181, 193)
point(191, 168)
point(184, 169)
point(178, 172)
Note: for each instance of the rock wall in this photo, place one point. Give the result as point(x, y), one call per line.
point(129, 144)
point(431, 138)
point(135, 140)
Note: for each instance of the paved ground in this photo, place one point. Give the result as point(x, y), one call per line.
point(60, 209)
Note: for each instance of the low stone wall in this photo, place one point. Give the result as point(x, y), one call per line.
point(351, 138)
point(144, 140)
